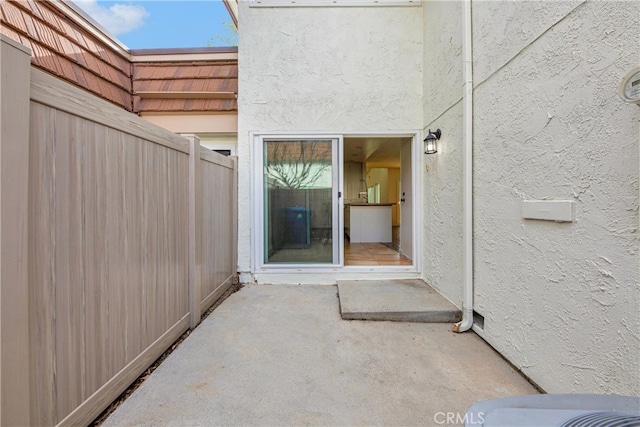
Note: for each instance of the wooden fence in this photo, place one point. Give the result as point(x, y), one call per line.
point(131, 234)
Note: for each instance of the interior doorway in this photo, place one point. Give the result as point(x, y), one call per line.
point(378, 201)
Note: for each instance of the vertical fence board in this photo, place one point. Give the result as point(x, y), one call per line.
point(224, 226)
point(208, 238)
point(176, 278)
point(139, 219)
point(195, 231)
point(160, 297)
point(234, 216)
point(183, 237)
point(42, 292)
point(153, 241)
point(164, 249)
point(178, 257)
point(69, 275)
point(165, 253)
point(149, 234)
point(114, 254)
point(96, 264)
point(133, 248)
point(171, 285)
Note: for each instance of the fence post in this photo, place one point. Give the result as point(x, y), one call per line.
point(234, 216)
point(15, 71)
point(195, 231)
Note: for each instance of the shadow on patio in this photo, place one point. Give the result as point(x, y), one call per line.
point(281, 355)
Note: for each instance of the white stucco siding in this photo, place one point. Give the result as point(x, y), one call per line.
point(443, 209)
point(442, 201)
point(442, 50)
point(561, 300)
point(501, 29)
point(324, 69)
point(318, 68)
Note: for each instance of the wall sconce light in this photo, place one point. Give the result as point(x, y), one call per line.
point(431, 142)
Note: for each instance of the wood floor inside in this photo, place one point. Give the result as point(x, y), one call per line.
point(375, 253)
point(372, 254)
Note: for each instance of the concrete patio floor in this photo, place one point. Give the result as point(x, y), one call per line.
point(281, 355)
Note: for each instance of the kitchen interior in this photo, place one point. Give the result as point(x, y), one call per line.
point(372, 201)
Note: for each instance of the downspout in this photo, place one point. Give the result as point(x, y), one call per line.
point(467, 285)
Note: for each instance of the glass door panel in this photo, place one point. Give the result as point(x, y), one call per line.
point(300, 201)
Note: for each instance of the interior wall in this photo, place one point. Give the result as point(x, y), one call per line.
point(394, 182)
point(365, 77)
point(379, 176)
point(352, 184)
point(561, 300)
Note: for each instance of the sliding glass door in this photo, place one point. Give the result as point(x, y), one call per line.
point(300, 204)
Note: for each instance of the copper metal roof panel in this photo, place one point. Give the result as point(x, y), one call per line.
point(31, 28)
point(206, 80)
point(48, 16)
point(34, 9)
point(190, 85)
point(48, 37)
point(177, 70)
point(184, 105)
point(13, 15)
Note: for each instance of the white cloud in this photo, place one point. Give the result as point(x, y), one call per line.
point(118, 18)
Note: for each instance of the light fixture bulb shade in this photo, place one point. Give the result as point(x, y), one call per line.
point(431, 142)
point(430, 146)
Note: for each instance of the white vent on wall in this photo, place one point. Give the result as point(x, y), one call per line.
point(548, 210)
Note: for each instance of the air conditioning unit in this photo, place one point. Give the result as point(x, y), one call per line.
point(556, 410)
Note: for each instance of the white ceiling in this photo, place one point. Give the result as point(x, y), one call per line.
point(376, 152)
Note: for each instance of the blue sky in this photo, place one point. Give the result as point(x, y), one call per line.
point(163, 24)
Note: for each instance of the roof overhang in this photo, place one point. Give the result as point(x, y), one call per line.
point(185, 54)
point(185, 95)
point(232, 7)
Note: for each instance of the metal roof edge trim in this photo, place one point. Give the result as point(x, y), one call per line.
point(232, 8)
point(68, 7)
point(184, 57)
point(184, 95)
point(190, 113)
point(184, 50)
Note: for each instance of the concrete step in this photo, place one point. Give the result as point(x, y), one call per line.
point(407, 300)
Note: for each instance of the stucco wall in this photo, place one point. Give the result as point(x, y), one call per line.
point(442, 187)
point(561, 300)
point(324, 69)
